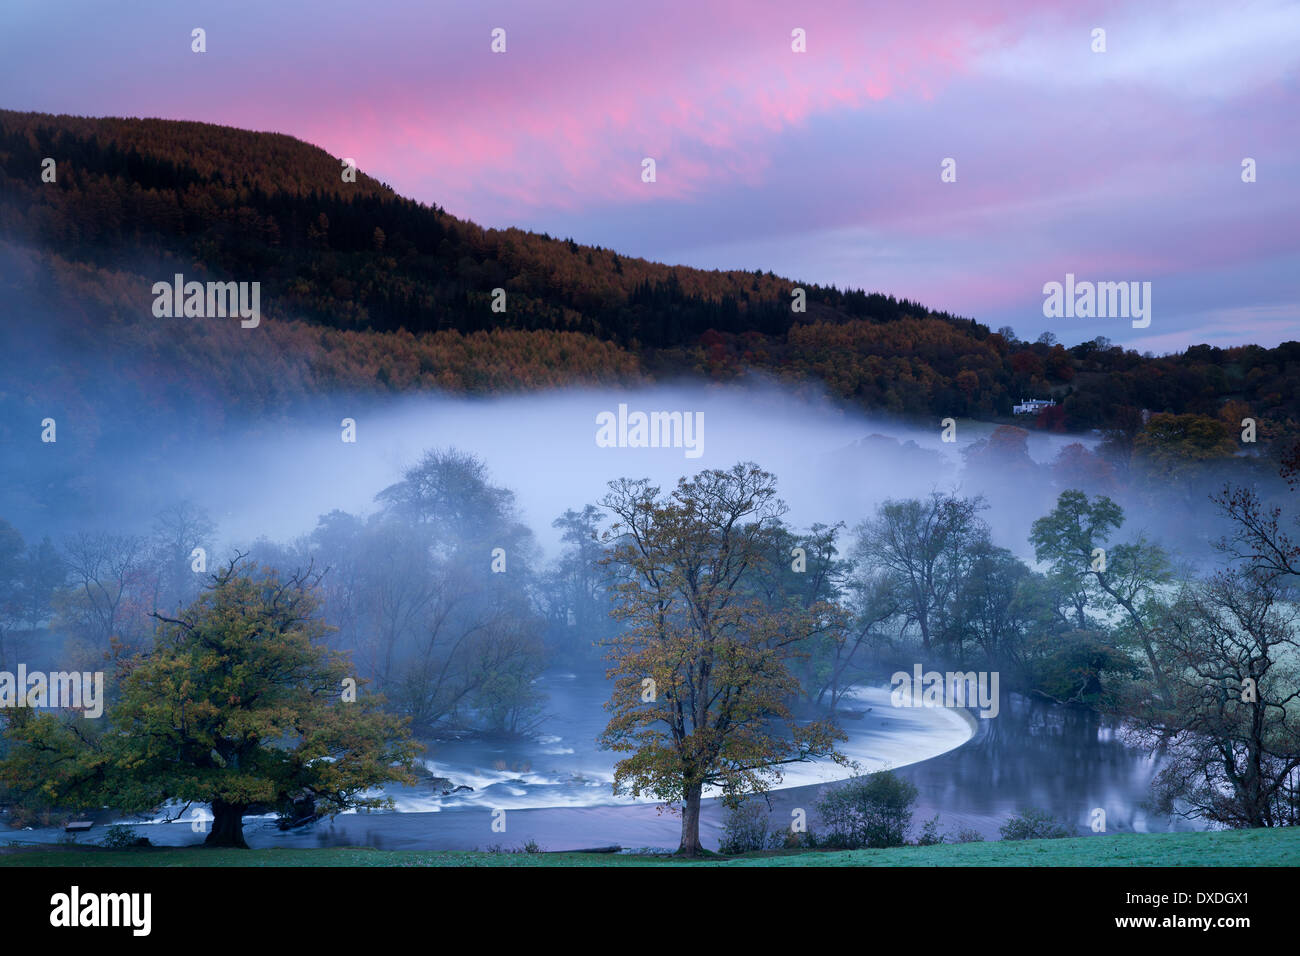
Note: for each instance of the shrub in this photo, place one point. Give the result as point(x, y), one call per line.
point(1033, 824)
point(745, 828)
point(120, 836)
point(872, 811)
point(532, 846)
point(788, 839)
point(930, 835)
point(969, 835)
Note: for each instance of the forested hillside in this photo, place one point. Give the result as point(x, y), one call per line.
point(364, 289)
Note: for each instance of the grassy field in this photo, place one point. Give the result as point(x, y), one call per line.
point(1232, 848)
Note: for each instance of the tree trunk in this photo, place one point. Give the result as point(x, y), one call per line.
point(227, 825)
point(691, 822)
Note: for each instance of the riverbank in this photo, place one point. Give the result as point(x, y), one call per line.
point(1279, 847)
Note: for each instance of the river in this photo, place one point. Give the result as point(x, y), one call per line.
point(554, 787)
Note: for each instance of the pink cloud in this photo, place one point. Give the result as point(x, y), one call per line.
point(700, 89)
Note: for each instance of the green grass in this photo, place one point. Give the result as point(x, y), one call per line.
point(1279, 847)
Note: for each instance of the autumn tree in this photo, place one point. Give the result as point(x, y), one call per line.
point(1124, 578)
point(702, 672)
point(30, 574)
point(1259, 533)
point(806, 571)
point(1077, 466)
point(43, 574)
point(178, 530)
point(237, 705)
point(108, 586)
point(871, 600)
point(448, 580)
point(1232, 737)
point(987, 609)
point(924, 545)
point(11, 568)
point(1171, 446)
point(1230, 732)
point(573, 592)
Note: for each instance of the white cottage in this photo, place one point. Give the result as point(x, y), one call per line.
point(1032, 406)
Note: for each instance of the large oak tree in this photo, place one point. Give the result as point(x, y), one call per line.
point(237, 705)
point(702, 672)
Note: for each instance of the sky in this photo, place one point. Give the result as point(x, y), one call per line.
point(1122, 165)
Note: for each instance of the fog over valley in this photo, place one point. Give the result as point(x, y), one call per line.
point(274, 480)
